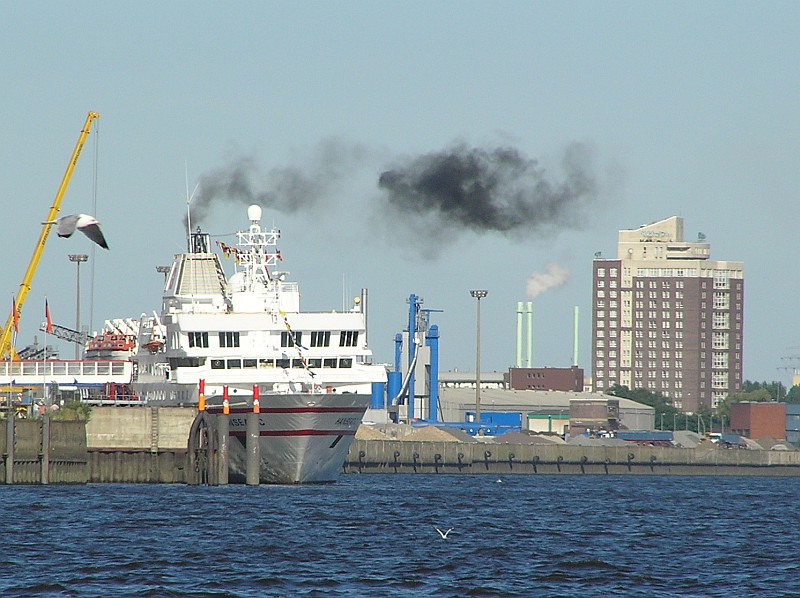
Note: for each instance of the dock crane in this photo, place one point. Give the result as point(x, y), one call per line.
point(6, 350)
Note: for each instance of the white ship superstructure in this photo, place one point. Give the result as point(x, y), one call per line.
point(313, 370)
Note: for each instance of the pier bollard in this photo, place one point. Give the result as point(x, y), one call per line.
point(253, 449)
point(44, 456)
point(10, 448)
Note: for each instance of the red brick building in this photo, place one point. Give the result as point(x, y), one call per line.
point(759, 420)
point(563, 379)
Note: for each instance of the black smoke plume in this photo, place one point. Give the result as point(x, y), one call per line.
point(491, 190)
point(286, 189)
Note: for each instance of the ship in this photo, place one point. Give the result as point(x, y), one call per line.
point(244, 335)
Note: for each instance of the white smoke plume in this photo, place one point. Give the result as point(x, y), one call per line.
point(556, 276)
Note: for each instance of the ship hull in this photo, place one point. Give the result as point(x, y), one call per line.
point(303, 438)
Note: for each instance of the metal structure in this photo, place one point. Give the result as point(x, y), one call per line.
point(78, 258)
point(478, 295)
point(6, 350)
point(64, 333)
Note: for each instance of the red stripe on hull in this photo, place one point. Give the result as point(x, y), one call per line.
point(299, 433)
point(263, 409)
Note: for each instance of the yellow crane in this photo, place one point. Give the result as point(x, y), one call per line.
point(6, 350)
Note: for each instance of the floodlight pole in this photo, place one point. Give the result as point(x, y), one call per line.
point(78, 259)
point(478, 295)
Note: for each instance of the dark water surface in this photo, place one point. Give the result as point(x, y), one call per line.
point(374, 535)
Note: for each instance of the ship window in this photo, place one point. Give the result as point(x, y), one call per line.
point(185, 362)
point(198, 339)
point(348, 338)
point(298, 363)
point(234, 364)
point(321, 338)
point(282, 363)
point(266, 363)
point(315, 362)
point(228, 339)
point(346, 362)
point(291, 338)
point(329, 362)
point(249, 363)
point(217, 364)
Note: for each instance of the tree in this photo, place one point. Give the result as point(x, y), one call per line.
point(664, 410)
point(758, 395)
point(793, 396)
point(776, 390)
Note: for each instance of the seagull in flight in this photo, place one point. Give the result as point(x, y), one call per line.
point(88, 225)
point(443, 534)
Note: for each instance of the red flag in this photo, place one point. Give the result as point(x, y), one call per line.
point(49, 327)
point(15, 315)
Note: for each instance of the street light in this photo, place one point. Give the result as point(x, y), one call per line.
point(163, 270)
point(478, 295)
point(78, 259)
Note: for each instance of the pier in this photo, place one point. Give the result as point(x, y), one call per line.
point(173, 445)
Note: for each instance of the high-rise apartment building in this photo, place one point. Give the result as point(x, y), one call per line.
point(668, 319)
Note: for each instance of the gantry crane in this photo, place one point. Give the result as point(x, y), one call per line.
point(6, 350)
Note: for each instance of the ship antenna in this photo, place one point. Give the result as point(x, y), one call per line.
point(189, 199)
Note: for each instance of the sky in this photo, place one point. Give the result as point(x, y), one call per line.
point(562, 122)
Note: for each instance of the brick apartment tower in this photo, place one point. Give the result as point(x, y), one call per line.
point(667, 318)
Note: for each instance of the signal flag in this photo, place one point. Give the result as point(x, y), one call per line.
point(49, 327)
point(15, 315)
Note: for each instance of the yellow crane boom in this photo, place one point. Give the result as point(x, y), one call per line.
point(6, 350)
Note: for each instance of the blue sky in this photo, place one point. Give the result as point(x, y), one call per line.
point(684, 108)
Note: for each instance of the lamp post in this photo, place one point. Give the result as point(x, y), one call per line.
point(478, 296)
point(163, 270)
point(78, 259)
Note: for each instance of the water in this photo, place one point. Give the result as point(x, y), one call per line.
point(374, 535)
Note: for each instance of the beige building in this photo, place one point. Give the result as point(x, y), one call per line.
point(667, 318)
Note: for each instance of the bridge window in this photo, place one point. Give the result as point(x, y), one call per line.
point(228, 339)
point(291, 338)
point(321, 338)
point(198, 339)
point(348, 338)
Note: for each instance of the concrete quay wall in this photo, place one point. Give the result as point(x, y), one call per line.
point(43, 452)
point(138, 445)
point(397, 456)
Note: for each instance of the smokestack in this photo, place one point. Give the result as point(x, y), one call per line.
point(519, 334)
point(530, 331)
point(575, 339)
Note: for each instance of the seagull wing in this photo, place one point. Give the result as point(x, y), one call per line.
point(90, 227)
point(66, 225)
point(441, 533)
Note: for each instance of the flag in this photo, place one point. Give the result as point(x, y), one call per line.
point(49, 327)
point(15, 315)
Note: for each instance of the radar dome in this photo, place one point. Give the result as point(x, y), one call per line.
point(254, 213)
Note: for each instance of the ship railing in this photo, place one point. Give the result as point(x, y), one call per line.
point(108, 402)
point(64, 372)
